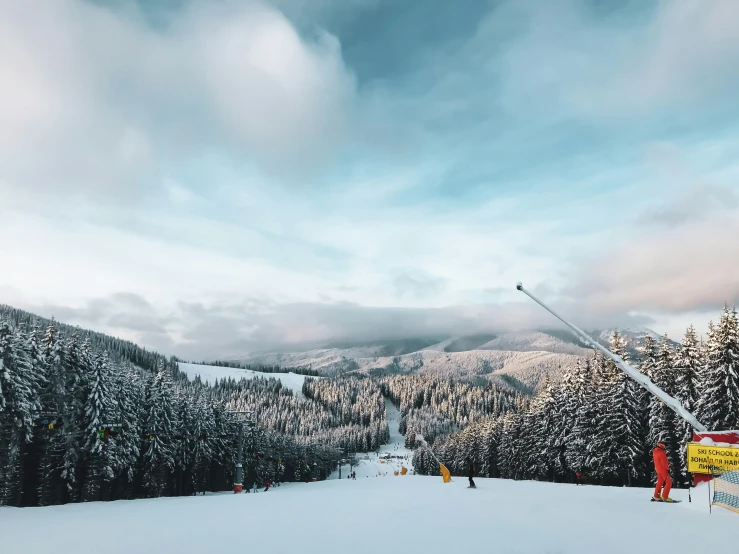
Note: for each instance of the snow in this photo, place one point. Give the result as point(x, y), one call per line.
point(371, 515)
point(533, 342)
point(708, 441)
point(525, 355)
point(209, 374)
point(378, 464)
point(384, 513)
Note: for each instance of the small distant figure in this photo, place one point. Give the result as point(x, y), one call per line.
point(256, 489)
point(266, 487)
point(471, 473)
point(578, 476)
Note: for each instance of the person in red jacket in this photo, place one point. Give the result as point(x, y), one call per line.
point(664, 481)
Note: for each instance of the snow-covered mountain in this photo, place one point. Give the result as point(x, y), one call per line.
point(524, 356)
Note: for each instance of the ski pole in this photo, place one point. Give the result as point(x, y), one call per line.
point(643, 380)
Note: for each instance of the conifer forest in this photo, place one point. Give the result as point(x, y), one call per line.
point(86, 417)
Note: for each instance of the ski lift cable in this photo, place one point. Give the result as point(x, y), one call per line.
point(640, 378)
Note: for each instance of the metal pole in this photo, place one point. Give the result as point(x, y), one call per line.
point(643, 380)
point(238, 466)
point(239, 484)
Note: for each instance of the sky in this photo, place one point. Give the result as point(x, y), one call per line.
point(222, 177)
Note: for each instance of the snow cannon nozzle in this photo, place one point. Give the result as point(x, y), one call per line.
point(519, 286)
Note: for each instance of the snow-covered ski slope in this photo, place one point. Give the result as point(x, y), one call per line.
point(209, 374)
point(382, 514)
point(389, 458)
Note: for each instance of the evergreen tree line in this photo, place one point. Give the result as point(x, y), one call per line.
point(118, 350)
point(432, 407)
point(257, 367)
point(77, 424)
point(353, 400)
point(599, 422)
point(359, 427)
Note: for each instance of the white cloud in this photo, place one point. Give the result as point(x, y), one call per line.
point(98, 100)
point(692, 267)
point(631, 62)
point(694, 204)
point(210, 107)
point(690, 49)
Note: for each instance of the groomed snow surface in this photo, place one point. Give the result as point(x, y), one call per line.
point(379, 515)
point(209, 374)
point(388, 459)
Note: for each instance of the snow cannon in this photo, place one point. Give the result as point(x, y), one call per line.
point(711, 454)
point(445, 474)
point(672, 403)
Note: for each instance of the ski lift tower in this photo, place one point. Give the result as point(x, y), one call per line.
point(640, 378)
point(238, 466)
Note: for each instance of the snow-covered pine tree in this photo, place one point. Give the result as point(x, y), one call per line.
point(98, 413)
point(129, 398)
point(601, 459)
point(158, 458)
point(688, 366)
point(662, 421)
point(508, 452)
point(618, 442)
point(19, 401)
point(647, 365)
point(184, 446)
point(76, 364)
point(35, 443)
point(53, 401)
point(203, 449)
point(627, 426)
point(580, 402)
point(719, 403)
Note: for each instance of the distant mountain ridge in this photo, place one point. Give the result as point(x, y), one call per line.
point(524, 357)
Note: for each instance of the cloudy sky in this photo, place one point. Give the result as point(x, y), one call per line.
point(211, 178)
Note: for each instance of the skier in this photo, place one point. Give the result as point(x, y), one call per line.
point(662, 467)
point(266, 487)
point(471, 473)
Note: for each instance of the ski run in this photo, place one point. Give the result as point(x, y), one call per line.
point(380, 512)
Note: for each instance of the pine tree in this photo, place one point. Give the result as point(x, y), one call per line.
point(53, 401)
point(719, 404)
point(619, 437)
point(662, 422)
point(98, 409)
point(158, 455)
point(600, 456)
point(19, 401)
point(649, 354)
point(128, 444)
point(687, 370)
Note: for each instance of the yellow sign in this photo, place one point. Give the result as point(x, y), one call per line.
point(702, 456)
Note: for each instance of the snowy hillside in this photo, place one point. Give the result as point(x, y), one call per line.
point(380, 514)
point(209, 374)
point(524, 355)
point(527, 367)
point(533, 341)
